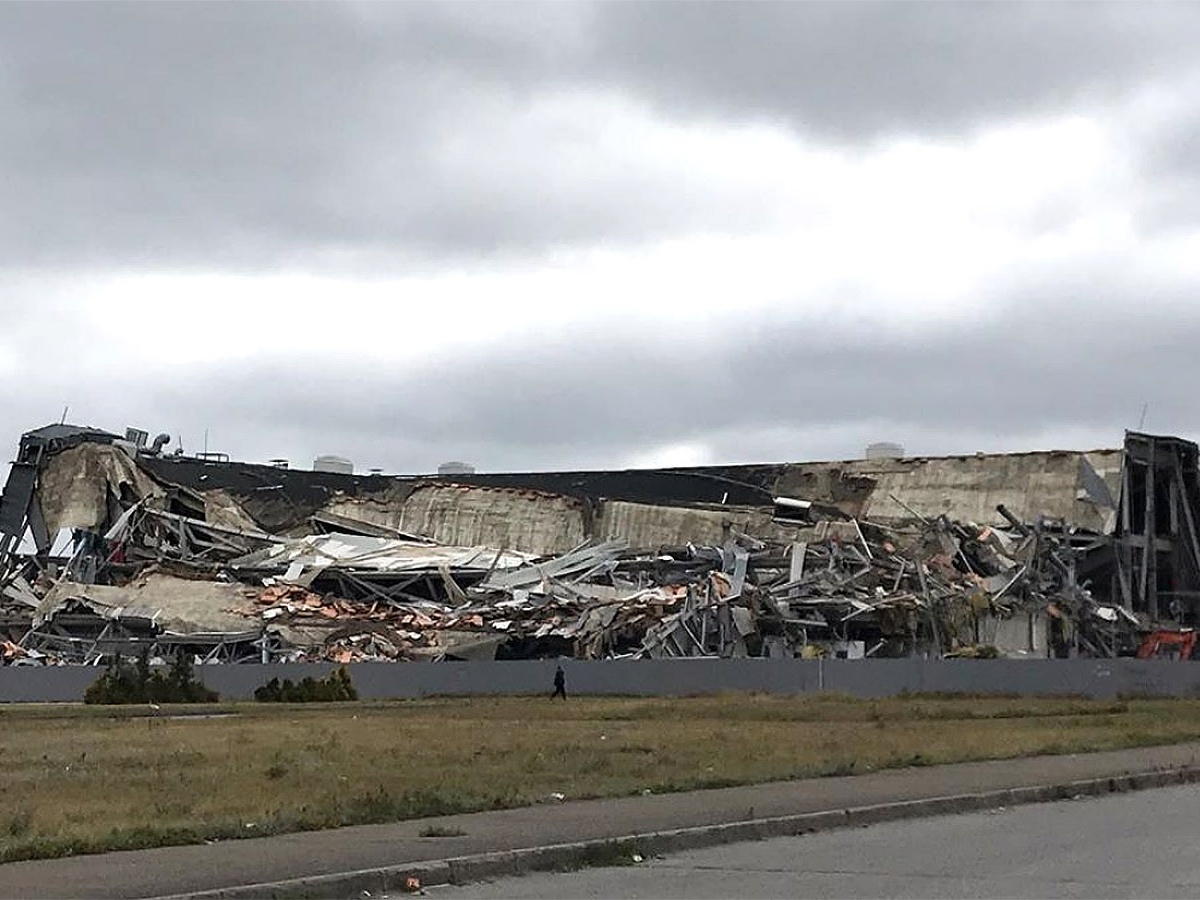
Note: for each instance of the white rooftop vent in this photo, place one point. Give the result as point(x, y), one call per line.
point(338, 465)
point(885, 450)
point(456, 468)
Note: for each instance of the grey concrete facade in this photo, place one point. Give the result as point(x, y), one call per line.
point(672, 677)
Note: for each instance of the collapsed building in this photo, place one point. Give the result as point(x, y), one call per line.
point(109, 546)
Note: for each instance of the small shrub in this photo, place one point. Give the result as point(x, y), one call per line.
point(336, 686)
point(269, 692)
point(122, 683)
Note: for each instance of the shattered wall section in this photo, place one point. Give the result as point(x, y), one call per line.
point(1074, 486)
point(644, 525)
point(542, 523)
point(221, 508)
point(463, 515)
point(74, 486)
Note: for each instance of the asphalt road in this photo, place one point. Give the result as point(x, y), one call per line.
point(1145, 844)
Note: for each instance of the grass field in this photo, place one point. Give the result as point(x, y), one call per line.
point(85, 779)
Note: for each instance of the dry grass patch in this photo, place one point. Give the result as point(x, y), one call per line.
point(83, 780)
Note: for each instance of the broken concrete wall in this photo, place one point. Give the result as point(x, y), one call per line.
point(222, 508)
point(1077, 487)
point(645, 525)
point(464, 515)
point(74, 486)
point(542, 523)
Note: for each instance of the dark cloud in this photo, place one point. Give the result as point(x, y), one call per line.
point(250, 136)
point(215, 137)
point(863, 69)
point(254, 135)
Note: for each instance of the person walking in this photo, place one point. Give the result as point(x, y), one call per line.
point(560, 684)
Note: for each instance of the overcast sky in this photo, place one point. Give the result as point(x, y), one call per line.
point(597, 235)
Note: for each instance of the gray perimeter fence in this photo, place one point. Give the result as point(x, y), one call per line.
point(671, 678)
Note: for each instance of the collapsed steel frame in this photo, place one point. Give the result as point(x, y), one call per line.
point(1149, 565)
point(1157, 541)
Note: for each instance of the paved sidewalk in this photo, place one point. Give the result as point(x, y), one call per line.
point(229, 864)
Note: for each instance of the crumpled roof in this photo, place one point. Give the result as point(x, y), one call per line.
point(321, 551)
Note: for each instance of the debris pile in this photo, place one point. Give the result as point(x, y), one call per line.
point(942, 588)
point(288, 570)
point(931, 587)
point(546, 607)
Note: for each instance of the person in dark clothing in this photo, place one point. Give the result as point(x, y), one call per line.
point(560, 684)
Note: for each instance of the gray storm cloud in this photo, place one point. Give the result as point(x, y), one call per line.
point(858, 70)
point(378, 139)
point(257, 135)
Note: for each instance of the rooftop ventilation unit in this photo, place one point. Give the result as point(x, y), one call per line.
point(885, 450)
point(337, 465)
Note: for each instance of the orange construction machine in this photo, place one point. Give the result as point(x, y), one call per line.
point(1168, 645)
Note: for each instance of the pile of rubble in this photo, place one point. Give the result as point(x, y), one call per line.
point(930, 587)
point(110, 546)
point(569, 604)
point(943, 588)
point(935, 588)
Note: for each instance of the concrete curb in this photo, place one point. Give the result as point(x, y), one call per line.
point(620, 850)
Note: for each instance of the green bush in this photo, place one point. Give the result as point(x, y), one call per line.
point(336, 686)
point(125, 683)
